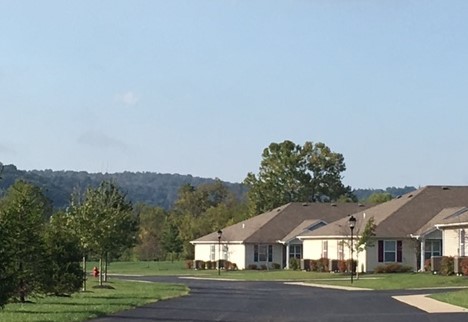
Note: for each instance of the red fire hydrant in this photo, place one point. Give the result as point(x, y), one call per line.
point(95, 271)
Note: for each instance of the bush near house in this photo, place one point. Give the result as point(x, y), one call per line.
point(392, 268)
point(464, 266)
point(342, 266)
point(189, 264)
point(447, 265)
point(199, 264)
point(294, 264)
point(252, 266)
point(321, 265)
point(427, 265)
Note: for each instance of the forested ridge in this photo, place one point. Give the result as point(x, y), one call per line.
point(150, 188)
point(155, 189)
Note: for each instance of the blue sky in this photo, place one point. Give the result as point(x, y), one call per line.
point(201, 87)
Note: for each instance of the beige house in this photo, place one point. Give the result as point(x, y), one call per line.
point(406, 230)
point(270, 238)
point(454, 228)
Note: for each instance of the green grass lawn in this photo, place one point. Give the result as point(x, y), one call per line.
point(94, 302)
point(459, 298)
point(401, 281)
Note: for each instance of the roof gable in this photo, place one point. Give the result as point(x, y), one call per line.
point(402, 216)
point(275, 225)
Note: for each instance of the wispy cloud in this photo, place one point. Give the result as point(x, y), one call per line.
point(100, 140)
point(128, 98)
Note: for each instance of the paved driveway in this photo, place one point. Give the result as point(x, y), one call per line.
point(276, 301)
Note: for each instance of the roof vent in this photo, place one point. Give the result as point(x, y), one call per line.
point(243, 225)
point(305, 204)
point(409, 196)
point(333, 204)
point(445, 188)
point(360, 205)
point(398, 197)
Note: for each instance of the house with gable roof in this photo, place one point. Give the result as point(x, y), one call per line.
point(454, 228)
point(270, 237)
point(406, 229)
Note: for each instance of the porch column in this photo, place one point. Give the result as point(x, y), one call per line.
point(287, 255)
point(462, 242)
point(423, 251)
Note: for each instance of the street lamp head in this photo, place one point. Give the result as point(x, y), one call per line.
point(220, 232)
point(352, 222)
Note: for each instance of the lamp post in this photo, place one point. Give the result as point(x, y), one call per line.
point(220, 233)
point(352, 223)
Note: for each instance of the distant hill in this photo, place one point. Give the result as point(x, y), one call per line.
point(151, 188)
point(363, 194)
point(141, 187)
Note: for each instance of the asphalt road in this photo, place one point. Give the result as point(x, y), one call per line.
point(276, 301)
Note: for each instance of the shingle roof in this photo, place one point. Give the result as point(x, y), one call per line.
point(301, 228)
point(402, 216)
point(278, 223)
point(456, 216)
point(442, 217)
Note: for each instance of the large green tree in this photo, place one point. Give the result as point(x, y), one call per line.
point(63, 256)
point(23, 212)
point(151, 226)
point(104, 221)
point(290, 172)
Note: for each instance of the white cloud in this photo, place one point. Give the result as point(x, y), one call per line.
point(128, 98)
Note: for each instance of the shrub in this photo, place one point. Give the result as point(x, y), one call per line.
point(189, 264)
point(427, 265)
point(447, 265)
point(294, 263)
point(342, 266)
point(252, 266)
point(464, 266)
point(199, 264)
point(322, 265)
point(392, 268)
point(276, 266)
point(263, 267)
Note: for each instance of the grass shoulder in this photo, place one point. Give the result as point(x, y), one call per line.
point(95, 302)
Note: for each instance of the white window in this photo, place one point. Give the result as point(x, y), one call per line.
point(340, 249)
point(432, 247)
point(295, 251)
point(390, 251)
point(225, 252)
point(324, 248)
point(212, 252)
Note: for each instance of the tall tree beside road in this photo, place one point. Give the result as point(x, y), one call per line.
point(290, 172)
point(23, 212)
point(104, 221)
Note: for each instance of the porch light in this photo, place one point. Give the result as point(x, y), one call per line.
point(352, 224)
point(220, 233)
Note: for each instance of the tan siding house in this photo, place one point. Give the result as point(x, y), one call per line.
point(406, 231)
point(270, 238)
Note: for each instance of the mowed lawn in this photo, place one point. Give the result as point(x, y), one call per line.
point(116, 296)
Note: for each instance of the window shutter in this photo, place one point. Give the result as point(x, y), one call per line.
point(270, 253)
point(255, 253)
point(399, 253)
point(380, 255)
